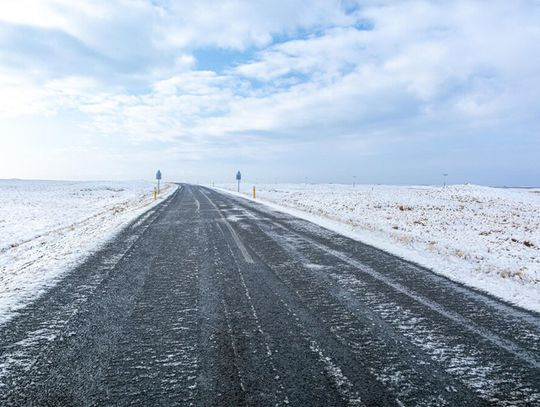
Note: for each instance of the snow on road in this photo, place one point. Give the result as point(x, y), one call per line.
point(487, 238)
point(47, 227)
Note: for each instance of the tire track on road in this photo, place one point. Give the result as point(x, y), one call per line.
point(496, 381)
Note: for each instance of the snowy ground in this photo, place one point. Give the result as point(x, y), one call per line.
point(47, 227)
point(488, 238)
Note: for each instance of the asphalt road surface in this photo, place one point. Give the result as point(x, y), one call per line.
point(212, 300)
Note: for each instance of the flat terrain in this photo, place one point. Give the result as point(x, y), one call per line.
point(487, 238)
point(213, 300)
point(49, 227)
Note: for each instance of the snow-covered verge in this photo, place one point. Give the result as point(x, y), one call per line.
point(487, 238)
point(48, 227)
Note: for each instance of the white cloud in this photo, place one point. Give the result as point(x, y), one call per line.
point(468, 57)
point(240, 24)
point(414, 68)
point(119, 28)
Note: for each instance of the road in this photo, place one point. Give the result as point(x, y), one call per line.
point(212, 300)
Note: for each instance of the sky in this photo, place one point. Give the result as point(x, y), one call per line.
point(393, 92)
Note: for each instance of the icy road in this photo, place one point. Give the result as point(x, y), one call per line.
point(209, 299)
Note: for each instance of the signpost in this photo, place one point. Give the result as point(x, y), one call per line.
point(238, 178)
point(158, 177)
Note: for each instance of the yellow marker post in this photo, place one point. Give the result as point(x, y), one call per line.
point(155, 194)
point(254, 193)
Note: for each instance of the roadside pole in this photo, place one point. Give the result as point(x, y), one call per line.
point(238, 178)
point(158, 177)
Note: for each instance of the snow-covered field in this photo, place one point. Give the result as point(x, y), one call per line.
point(487, 238)
point(47, 227)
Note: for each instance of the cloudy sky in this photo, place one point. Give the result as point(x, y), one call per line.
point(386, 91)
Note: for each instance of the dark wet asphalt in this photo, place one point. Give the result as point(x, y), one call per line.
point(212, 300)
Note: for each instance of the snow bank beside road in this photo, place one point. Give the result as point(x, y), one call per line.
point(487, 238)
point(47, 227)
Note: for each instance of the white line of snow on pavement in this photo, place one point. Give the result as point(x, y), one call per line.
point(241, 247)
point(487, 238)
point(467, 324)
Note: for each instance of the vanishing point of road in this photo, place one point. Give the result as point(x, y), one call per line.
point(212, 300)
